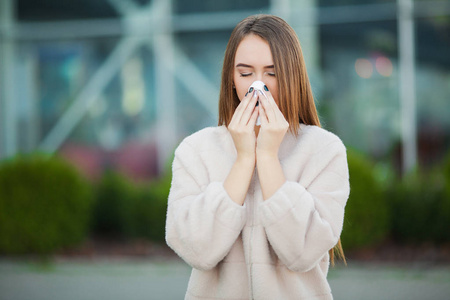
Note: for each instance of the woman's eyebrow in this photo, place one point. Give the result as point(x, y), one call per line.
point(243, 65)
point(249, 66)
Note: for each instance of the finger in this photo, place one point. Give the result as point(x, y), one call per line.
point(253, 117)
point(237, 115)
point(273, 104)
point(246, 114)
point(263, 116)
point(244, 102)
point(278, 114)
point(268, 109)
point(269, 97)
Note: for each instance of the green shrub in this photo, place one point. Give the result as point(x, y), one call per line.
point(414, 206)
point(367, 215)
point(445, 204)
point(446, 175)
point(44, 205)
point(128, 210)
point(421, 206)
point(115, 201)
point(150, 210)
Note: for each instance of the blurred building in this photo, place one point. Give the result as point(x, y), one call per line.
point(115, 84)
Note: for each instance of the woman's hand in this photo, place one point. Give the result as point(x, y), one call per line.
point(242, 127)
point(273, 126)
point(271, 134)
point(242, 130)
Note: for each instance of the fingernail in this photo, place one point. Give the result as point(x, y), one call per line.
point(262, 94)
point(250, 90)
point(246, 94)
point(257, 103)
point(265, 87)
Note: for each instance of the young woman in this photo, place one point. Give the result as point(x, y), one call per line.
point(254, 209)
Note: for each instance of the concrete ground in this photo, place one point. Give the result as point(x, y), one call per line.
point(134, 280)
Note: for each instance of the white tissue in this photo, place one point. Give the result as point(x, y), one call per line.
point(258, 85)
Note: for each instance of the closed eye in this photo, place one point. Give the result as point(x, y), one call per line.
point(245, 74)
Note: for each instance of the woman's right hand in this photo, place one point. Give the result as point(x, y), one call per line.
point(242, 127)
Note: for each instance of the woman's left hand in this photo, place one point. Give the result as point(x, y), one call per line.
point(273, 126)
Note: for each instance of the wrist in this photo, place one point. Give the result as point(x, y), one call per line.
point(266, 155)
point(246, 159)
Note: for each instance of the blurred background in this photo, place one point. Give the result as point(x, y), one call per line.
point(96, 95)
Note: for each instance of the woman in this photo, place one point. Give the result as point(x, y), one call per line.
point(255, 209)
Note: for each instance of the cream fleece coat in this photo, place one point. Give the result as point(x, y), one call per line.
point(272, 249)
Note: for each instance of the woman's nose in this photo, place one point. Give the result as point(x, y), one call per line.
point(259, 76)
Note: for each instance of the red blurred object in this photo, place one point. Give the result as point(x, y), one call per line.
point(136, 160)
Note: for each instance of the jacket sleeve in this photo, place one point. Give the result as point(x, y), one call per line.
point(303, 222)
point(202, 221)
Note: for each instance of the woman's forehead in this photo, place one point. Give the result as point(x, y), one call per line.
point(254, 51)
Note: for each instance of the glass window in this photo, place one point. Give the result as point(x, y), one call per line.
point(360, 69)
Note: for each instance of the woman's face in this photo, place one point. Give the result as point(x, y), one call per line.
point(253, 61)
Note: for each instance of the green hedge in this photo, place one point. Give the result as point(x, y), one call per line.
point(115, 198)
point(445, 205)
point(45, 205)
point(128, 210)
point(367, 216)
point(420, 203)
point(150, 210)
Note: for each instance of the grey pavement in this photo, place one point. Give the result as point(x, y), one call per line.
point(150, 279)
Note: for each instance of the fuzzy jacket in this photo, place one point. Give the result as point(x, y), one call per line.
point(266, 249)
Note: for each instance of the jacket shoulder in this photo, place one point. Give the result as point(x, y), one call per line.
point(209, 138)
point(317, 138)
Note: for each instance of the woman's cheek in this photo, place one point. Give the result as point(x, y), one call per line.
point(242, 89)
point(240, 93)
point(272, 86)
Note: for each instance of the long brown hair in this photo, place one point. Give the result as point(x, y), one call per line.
point(295, 98)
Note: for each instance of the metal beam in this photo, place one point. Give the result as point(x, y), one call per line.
point(429, 9)
point(407, 85)
point(124, 7)
point(166, 108)
point(31, 31)
point(281, 8)
point(211, 20)
point(192, 78)
point(90, 93)
point(165, 53)
point(307, 31)
point(8, 122)
point(355, 13)
point(79, 29)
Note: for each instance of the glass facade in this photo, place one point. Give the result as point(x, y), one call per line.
point(92, 95)
point(360, 69)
